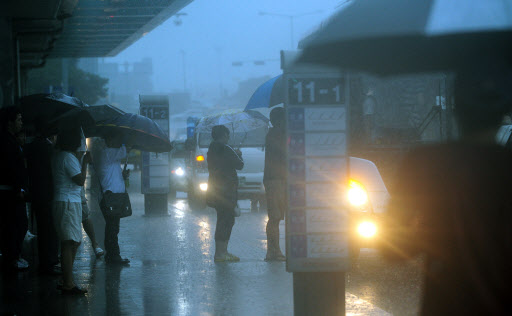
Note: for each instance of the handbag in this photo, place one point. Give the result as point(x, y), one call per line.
point(116, 205)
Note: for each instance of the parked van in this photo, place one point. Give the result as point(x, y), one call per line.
point(250, 178)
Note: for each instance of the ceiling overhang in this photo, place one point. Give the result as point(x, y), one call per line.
point(84, 28)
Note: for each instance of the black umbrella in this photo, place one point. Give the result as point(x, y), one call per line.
point(137, 131)
point(56, 111)
point(104, 112)
point(403, 36)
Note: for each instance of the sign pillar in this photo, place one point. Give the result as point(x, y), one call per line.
point(155, 176)
point(316, 104)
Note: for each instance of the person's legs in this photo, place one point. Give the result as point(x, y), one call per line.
point(111, 239)
point(223, 228)
point(67, 257)
point(22, 227)
point(89, 230)
point(275, 209)
point(8, 230)
point(47, 241)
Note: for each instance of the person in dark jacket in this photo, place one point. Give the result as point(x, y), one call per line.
point(39, 160)
point(13, 190)
point(274, 179)
point(223, 161)
point(453, 203)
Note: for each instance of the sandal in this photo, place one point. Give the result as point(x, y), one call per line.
point(74, 291)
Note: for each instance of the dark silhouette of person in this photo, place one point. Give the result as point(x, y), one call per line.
point(453, 203)
point(39, 155)
point(223, 161)
point(13, 190)
point(274, 179)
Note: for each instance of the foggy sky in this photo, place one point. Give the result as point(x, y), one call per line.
point(216, 33)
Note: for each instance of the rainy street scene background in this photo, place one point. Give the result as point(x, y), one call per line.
point(194, 157)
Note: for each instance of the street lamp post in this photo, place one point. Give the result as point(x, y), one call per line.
point(292, 18)
point(184, 70)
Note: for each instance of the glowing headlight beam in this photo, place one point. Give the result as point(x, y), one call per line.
point(203, 187)
point(367, 229)
point(357, 195)
point(179, 171)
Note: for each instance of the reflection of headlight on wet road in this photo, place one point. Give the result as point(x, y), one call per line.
point(203, 186)
point(179, 171)
point(367, 229)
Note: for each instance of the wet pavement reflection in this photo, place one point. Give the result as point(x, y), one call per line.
point(172, 271)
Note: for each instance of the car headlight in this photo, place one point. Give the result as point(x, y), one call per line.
point(367, 229)
point(179, 172)
point(203, 186)
point(357, 195)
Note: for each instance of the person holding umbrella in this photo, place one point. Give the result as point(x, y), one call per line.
point(107, 165)
point(223, 161)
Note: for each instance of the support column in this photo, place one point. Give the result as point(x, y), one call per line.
point(319, 293)
point(8, 65)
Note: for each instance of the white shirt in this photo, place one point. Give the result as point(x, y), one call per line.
point(64, 167)
point(107, 165)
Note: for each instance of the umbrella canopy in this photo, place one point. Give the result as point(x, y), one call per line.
point(403, 36)
point(235, 120)
point(137, 131)
point(104, 112)
point(55, 110)
point(267, 95)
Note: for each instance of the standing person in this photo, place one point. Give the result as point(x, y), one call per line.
point(453, 202)
point(223, 161)
point(89, 227)
point(39, 158)
point(68, 178)
point(107, 165)
point(274, 179)
point(86, 220)
point(13, 190)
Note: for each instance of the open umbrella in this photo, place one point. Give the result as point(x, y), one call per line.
point(55, 110)
point(403, 36)
point(235, 120)
point(270, 93)
point(104, 112)
point(240, 123)
point(137, 131)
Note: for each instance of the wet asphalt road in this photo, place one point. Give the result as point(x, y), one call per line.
point(172, 273)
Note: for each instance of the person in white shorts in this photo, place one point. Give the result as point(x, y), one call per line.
point(69, 178)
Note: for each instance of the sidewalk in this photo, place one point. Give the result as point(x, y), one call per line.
point(171, 273)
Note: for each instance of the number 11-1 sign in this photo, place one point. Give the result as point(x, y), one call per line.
point(316, 104)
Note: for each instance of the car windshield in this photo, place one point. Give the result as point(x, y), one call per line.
point(254, 138)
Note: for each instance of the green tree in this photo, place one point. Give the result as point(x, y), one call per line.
point(86, 86)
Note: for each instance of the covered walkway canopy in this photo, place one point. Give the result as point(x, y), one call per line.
point(83, 28)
